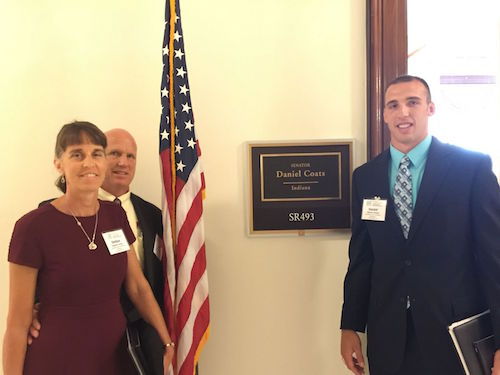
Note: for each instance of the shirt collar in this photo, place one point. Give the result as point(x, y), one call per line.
point(105, 196)
point(417, 154)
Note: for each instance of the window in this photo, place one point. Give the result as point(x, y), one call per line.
point(453, 45)
point(456, 48)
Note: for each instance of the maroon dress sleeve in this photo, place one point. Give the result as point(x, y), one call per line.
point(24, 248)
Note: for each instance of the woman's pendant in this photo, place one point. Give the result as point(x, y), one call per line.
point(92, 246)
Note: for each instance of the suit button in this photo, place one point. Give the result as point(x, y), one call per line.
point(408, 262)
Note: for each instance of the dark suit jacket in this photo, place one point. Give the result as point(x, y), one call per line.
point(150, 222)
point(449, 266)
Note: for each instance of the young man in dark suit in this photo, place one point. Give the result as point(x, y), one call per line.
point(425, 245)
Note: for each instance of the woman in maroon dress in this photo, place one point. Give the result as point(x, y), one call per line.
point(73, 255)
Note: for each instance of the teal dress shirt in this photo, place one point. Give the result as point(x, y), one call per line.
point(418, 158)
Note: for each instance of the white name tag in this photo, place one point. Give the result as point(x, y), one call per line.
point(374, 209)
point(158, 247)
point(116, 241)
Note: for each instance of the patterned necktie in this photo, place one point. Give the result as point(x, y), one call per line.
point(403, 195)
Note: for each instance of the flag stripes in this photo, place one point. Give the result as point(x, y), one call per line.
point(183, 184)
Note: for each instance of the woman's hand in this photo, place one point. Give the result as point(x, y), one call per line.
point(167, 358)
point(496, 363)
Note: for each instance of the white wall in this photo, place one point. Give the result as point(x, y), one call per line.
point(259, 70)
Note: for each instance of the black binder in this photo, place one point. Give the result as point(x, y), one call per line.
point(485, 350)
point(474, 342)
point(134, 349)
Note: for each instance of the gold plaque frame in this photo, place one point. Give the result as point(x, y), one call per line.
point(299, 187)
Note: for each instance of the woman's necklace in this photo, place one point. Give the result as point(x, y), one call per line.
point(92, 244)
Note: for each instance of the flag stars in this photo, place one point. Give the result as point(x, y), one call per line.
point(179, 54)
point(178, 148)
point(181, 72)
point(164, 135)
point(180, 166)
point(182, 112)
point(177, 36)
point(183, 89)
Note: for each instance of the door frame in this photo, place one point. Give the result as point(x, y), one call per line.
point(387, 36)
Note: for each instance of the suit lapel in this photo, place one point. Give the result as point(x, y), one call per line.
point(436, 168)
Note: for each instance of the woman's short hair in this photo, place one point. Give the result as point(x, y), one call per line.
point(75, 133)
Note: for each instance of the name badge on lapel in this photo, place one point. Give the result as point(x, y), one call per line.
point(374, 209)
point(116, 241)
point(158, 247)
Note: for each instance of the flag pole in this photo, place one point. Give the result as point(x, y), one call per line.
point(172, 117)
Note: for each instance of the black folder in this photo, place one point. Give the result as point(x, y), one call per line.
point(134, 349)
point(485, 350)
point(474, 342)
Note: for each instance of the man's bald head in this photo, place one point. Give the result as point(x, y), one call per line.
point(121, 155)
point(121, 135)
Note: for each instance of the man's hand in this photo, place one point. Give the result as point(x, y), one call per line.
point(496, 363)
point(350, 349)
point(35, 325)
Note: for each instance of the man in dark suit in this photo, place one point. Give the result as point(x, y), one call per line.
point(425, 245)
point(146, 223)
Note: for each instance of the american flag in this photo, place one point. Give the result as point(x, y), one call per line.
point(186, 282)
